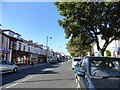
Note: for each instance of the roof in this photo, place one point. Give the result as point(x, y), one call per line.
point(4, 30)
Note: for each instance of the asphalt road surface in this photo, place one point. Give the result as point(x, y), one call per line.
point(47, 75)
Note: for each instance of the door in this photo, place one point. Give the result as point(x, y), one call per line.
point(9, 65)
point(4, 66)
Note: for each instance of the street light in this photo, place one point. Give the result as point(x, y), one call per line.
point(47, 47)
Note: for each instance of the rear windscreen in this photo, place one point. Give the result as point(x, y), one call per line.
point(77, 59)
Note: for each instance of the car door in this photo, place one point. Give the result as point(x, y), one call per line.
point(4, 66)
point(10, 65)
point(1, 66)
point(83, 79)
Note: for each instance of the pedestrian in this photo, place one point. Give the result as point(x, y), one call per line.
point(32, 63)
point(114, 55)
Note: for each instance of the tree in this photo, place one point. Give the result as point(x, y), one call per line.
point(78, 47)
point(108, 53)
point(96, 20)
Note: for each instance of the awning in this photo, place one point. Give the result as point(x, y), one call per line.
point(117, 49)
point(5, 50)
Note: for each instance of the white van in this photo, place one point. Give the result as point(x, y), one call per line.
point(75, 61)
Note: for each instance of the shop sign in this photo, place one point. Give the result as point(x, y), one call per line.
point(4, 51)
point(117, 49)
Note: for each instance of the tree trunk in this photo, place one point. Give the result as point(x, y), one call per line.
point(102, 52)
point(104, 48)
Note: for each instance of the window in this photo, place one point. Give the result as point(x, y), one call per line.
point(28, 49)
point(9, 63)
point(19, 46)
point(105, 67)
point(83, 65)
point(77, 59)
point(24, 48)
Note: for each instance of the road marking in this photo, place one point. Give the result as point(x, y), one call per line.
point(26, 79)
point(78, 78)
point(11, 85)
point(75, 79)
point(78, 85)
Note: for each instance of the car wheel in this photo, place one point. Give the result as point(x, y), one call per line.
point(15, 70)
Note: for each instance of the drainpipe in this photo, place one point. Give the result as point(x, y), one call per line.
point(10, 55)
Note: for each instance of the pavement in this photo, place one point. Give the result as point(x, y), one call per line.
point(29, 66)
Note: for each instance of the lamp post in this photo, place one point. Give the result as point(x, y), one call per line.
point(47, 47)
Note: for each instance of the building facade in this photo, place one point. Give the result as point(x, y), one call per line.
point(23, 52)
point(115, 44)
point(5, 51)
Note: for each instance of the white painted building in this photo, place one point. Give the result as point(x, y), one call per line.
point(0, 38)
point(5, 52)
point(9, 33)
point(111, 47)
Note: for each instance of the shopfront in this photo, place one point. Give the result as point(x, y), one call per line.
point(22, 58)
point(5, 54)
point(117, 52)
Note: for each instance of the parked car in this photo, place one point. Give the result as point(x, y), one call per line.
point(98, 72)
point(53, 61)
point(75, 60)
point(7, 66)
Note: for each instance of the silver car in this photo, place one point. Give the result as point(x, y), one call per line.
point(7, 66)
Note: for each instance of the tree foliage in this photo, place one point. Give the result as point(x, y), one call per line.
point(96, 20)
point(108, 53)
point(78, 47)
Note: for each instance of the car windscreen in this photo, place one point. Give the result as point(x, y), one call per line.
point(77, 59)
point(105, 67)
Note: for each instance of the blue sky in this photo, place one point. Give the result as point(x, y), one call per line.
point(35, 21)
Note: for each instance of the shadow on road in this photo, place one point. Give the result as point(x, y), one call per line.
point(49, 72)
point(11, 77)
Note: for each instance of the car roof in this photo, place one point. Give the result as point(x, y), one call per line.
point(102, 57)
point(77, 58)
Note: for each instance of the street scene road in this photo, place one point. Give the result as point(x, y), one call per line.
point(60, 44)
point(46, 75)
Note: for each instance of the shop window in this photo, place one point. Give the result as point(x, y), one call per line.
point(118, 53)
point(22, 60)
point(18, 60)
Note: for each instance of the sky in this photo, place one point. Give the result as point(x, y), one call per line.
point(35, 21)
